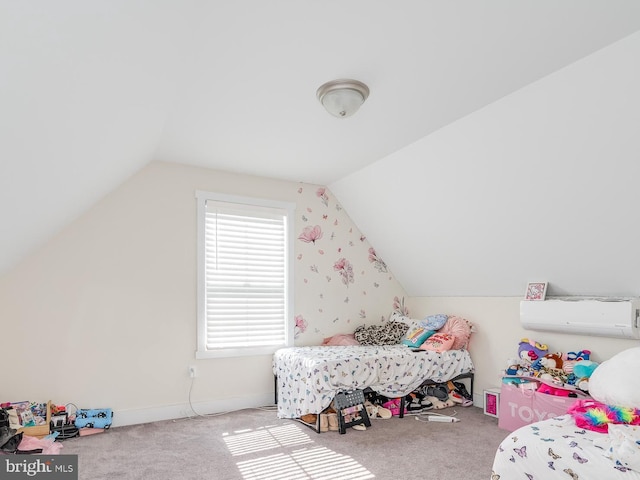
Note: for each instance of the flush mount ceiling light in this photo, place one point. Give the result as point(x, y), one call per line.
point(342, 98)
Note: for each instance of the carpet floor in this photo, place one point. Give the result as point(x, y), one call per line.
point(254, 444)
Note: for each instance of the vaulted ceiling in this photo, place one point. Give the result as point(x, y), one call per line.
point(91, 91)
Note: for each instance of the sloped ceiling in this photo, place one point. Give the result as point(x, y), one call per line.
point(541, 185)
point(91, 91)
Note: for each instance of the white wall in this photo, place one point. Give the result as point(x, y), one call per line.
point(104, 315)
point(497, 321)
point(540, 185)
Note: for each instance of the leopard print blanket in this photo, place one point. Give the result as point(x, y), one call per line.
point(390, 333)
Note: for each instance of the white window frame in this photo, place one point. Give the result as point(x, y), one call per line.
point(288, 209)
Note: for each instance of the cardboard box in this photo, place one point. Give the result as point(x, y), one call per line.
point(39, 430)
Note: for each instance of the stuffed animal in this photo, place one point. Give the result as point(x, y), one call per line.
point(567, 366)
point(536, 365)
point(552, 360)
point(570, 359)
point(530, 350)
point(440, 404)
point(572, 379)
point(577, 356)
point(582, 384)
point(552, 375)
point(583, 370)
point(512, 367)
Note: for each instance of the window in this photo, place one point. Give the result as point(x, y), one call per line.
point(244, 275)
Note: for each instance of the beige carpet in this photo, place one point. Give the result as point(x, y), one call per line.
point(256, 445)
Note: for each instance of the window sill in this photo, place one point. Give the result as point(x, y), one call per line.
point(237, 352)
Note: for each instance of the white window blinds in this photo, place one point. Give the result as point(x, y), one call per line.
point(245, 278)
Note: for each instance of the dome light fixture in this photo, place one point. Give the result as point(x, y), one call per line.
point(342, 98)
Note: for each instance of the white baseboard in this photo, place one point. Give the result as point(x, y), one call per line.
point(122, 418)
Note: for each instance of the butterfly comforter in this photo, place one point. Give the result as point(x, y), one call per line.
point(558, 449)
point(308, 378)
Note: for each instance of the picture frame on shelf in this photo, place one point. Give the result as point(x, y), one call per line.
point(536, 291)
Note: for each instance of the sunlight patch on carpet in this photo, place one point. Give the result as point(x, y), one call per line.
point(265, 438)
point(318, 463)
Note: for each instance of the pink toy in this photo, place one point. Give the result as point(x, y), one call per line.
point(530, 350)
point(549, 390)
point(394, 406)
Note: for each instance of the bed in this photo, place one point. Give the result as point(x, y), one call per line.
point(308, 378)
point(558, 449)
point(598, 438)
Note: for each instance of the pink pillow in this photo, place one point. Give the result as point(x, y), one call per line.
point(341, 339)
point(438, 342)
point(460, 329)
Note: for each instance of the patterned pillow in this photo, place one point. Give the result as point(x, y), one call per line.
point(439, 342)
point(460, 329)
point(417, 334)
point(436, 322)
point(389, 333)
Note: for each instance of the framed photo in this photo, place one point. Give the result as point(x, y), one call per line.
point(536, 291)
point(492, 402)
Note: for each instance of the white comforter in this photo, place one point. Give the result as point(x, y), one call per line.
point(558, 449)
point(309, 377)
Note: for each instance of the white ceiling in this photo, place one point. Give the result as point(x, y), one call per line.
point(91, 91)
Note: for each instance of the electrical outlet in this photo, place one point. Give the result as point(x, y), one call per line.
point(192, 371)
